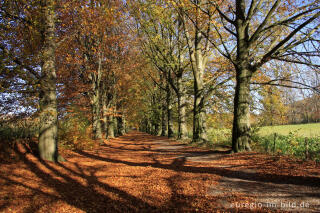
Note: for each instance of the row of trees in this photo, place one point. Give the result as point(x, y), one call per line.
point(151, 59)
point(92, 63)
point(241, 43)
point(279, 107)
point(63, 57)
point(34, 64)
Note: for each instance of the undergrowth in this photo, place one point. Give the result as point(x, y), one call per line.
point(73, 133)
point(291, 144)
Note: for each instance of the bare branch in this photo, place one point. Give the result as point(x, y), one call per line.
point(18, 62)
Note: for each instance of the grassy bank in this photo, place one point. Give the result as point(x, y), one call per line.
point(301, 141)
point(303, 130)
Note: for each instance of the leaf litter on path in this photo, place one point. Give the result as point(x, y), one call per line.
point(143, 173)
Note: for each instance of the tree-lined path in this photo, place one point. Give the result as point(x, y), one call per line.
point(77, 76)
point(143, 173)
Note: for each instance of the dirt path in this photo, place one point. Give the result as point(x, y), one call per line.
point(143, 173)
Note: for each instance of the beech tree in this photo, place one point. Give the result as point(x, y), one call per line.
point(198, 31)
point(174, 45)
point(251, 34)
point(159, 43)
point(199, 50)
point(181, 53)
point(48, 146)
point(96, 51)
point(39, 21)
point(273, 109)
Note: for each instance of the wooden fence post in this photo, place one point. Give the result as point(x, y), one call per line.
point(306, 143)
point(274, 142)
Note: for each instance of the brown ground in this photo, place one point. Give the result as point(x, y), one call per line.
point(143, 173)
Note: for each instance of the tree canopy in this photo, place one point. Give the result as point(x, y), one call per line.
point(167, 67)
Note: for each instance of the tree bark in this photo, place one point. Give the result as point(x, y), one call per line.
point(121, 126)
point(182, 126)
point(156, 128)
point(199, 121)
point(111, 126)
point(48, 131)
point(198, 51)
point(95, 101)
point(124, 125)
point(155, 115)
point(163, 119)
point(147, 126)
point(241, 120)
point(169, 109)
point(116, 126)
point(244, 71)
point(199, 115)
point(105, 115)
point(96, 123)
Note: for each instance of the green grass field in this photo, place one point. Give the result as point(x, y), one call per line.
point(304, 130)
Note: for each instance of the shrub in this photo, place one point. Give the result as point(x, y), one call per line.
point(290, 144)
point(219, 136)
point(74, 133)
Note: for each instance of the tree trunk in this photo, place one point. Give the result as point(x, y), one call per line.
point(147, 126)
point(199, 61)
point(155, 116)
point(95, 99)
point(111, 126)
point(163, 108)
point(124, 123)
point(96, 123)
point(169, 110)
point(156, 129)
point(116, 126)
point(121, 125)
point(199, 121)
point(163, 120)
point(199, 115)
point(48, 131)
point(182, 127)
point(105, 116)
point(241, 120)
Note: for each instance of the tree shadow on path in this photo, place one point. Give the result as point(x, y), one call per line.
point(77, 187)
point(274, 178)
